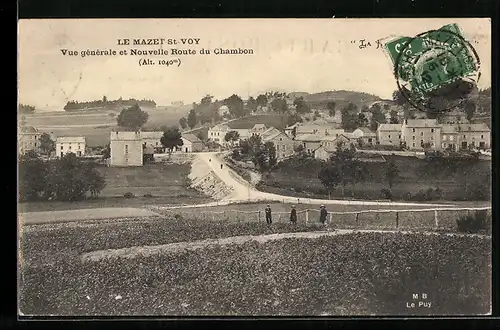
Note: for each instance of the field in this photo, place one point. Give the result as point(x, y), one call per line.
point(95, 125)
point(300, 178)
point(167, 184)
point(274, 120)
point(360, 273)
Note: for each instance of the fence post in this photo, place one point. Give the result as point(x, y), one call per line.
point(330, 218)
point(436, 223)
point(397, 220)
point(259, 217)
point(307, 216)
point(357, 219)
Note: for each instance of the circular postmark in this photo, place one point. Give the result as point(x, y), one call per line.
point(437, 71)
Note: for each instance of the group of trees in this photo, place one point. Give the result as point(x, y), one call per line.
point(75, 105)
point(26, 109)
point(132, 118)
point(64, 179)
point(263, 155)
point(343, 169)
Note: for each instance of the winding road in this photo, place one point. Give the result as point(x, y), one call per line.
point(244, 191)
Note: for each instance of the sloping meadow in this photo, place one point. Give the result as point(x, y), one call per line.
point(354, 274)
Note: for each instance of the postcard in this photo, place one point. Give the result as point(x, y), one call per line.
point(254, 167)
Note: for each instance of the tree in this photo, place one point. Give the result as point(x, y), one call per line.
point(262, 100)
point(106, 152)
point(293, 118)
point(95, 181)
point(104, 99)
point(26, 109)
point(183, 123)
point(279, 105)
point(377, 118)
point(398, 97)
point(252, 104)
point(361, 121)
point(171, 138)
point(132, 118)
point(350, 117)
point(192, 119)
point(32, 176)
point(343, 169)
point(235, 105)
point(470, 109)
point(47, 145)
point(391, 173)
point(394, 117)
point(331, 108)
point(231, 137)
point(301, 105)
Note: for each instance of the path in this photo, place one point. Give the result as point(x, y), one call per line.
point(152, 250)
point(31, 218)
point(244, 191)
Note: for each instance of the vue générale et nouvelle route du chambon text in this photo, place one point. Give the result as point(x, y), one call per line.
point(181, 46)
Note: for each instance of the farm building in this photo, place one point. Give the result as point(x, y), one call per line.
point(191, 143)
point(27, 138)
point(283, 144)
point(126, 148)
point(70, 144)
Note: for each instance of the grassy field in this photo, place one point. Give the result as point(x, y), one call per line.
point(357, 274)
point(274, 120)
point(98, 135)
point(301, 179)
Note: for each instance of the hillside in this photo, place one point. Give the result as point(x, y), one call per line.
point(341, 98)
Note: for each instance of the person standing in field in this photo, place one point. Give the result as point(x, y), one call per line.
point(293, 215)
point(269, 219)
point(323, 213)
point(221, 166)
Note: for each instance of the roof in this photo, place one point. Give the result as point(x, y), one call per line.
point(309, 137)
point(152, 135)
point(481, 127)
point(274, 135)
point(389, 127)
point(257, 126)
point(28, 129)
point(449, 129)
point(191, 137)
point(220, 127)
point(422, 123)
point(272, 131)
point(366, 130)
point(293, 126)
point(70, 139)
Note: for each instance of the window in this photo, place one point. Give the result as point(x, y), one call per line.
point(78, 145)
point(421, 133)
point(413, 137)
point(432, 130)
point(69, 147)
point(337, 135)
point(413, 144)
point(61, 147)
point(126, 148)
point(283, 155)
point(284, 147)
point(451, 137)
point(432, 138)
point(432, 144)
point(389, 136)
point(482, 136)
point(281, 139)
point(413, 130)
point(444, 137)
point(464, 137)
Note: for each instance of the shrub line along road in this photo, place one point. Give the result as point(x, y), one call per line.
point(151, 250)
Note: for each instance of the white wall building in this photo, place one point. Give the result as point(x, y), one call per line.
point(70, 144)
point(126, 148)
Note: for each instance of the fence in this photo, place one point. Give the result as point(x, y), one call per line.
point(435, 218)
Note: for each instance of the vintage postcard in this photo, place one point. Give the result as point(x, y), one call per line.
point(254, 167)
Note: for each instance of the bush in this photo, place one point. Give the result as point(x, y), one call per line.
point(148, 195)
point(129, 195)
point(472, 223)
point(386, 193)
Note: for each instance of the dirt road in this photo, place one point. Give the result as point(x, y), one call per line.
point(244, 191)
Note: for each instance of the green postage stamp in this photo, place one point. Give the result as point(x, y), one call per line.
point(432, 60)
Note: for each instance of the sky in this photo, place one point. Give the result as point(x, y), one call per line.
point(290, 55)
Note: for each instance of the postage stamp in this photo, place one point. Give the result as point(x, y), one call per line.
point(435, 70)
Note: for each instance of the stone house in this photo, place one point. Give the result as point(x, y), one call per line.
point(70, 144)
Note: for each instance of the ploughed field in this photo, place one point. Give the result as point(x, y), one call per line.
point(358, 273)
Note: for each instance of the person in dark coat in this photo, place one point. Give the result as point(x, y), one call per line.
point(293, 215)
point(269, 219)
point(323, 213)
point(221, 166)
